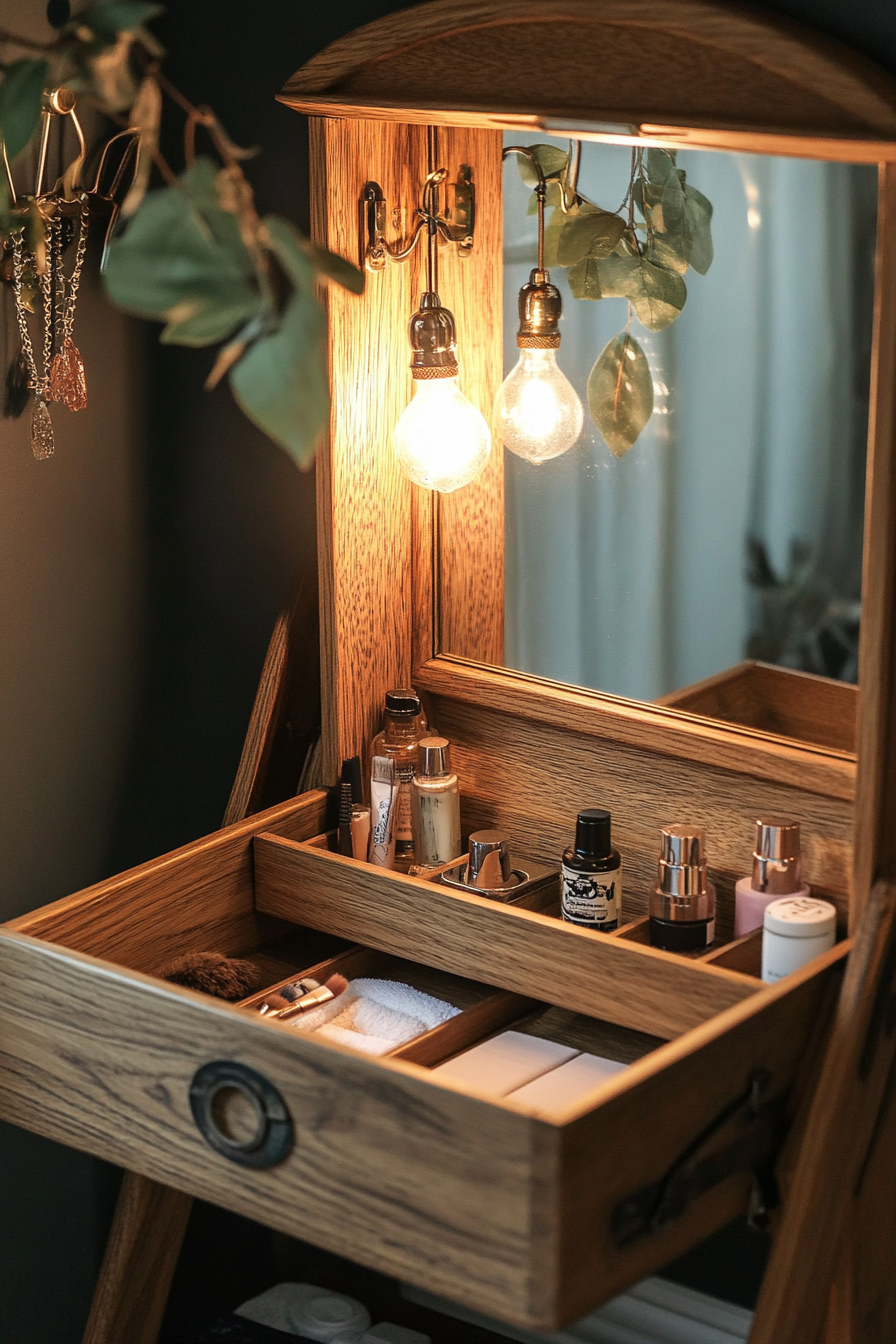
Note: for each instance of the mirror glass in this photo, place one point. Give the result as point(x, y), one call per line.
point(714, 565)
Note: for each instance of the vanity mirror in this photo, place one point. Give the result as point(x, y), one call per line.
point(731, 528)
point(727, 536)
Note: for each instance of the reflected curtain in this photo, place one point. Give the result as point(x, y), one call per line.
point(733, 526)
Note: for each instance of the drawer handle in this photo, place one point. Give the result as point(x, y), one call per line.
point(763, 1126)
point(240, 1114)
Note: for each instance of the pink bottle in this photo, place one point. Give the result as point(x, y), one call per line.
point(777, 871)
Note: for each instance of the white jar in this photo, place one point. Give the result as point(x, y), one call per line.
point(795, 930)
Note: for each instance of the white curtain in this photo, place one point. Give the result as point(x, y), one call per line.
point(630, 576)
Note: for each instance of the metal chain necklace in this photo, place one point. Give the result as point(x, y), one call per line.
point(68, 381)
point(63, 378)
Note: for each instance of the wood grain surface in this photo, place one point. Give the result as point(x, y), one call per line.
point(694, 60)
point(530, 778)
point(701, 1073)
point(476, 1195)
point(198, 898)
point(605, 129)
point(776, 700)
point(857, 1074)
point(364, 500)
point(639, 724)
point(518, 950)
point(104, 1065)
point(469, 563)
point(863, 1299)
point(876, 784)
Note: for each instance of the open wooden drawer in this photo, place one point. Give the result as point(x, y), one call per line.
point(530, 1216)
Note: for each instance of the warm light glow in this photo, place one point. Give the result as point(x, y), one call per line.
point(441, 441)
point(537, 412)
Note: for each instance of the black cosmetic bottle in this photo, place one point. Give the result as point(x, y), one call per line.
point(591, 875)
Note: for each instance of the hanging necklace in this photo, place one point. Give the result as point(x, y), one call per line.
point(63, 378)
point(42, 443)
point(68, 382)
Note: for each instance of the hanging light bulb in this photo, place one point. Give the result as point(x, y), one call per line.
point(441, 440)
point(537, 412)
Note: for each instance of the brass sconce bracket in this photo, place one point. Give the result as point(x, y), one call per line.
point(452, 224)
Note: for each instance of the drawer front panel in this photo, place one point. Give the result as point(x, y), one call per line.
point(415, 1180)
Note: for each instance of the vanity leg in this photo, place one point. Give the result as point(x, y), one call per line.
point(865, 1275)
point(141, 1257)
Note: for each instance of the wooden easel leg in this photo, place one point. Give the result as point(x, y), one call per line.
point(863, 1300)
point(139, 1264)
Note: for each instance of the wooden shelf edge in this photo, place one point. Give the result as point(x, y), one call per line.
point(667, 732)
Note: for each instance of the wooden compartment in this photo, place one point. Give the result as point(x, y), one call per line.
point(496, 1205)
point(776, 700)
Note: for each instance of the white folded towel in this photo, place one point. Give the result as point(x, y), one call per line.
point(376, 1016)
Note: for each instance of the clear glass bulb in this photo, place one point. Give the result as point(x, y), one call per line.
point(441, 441)
point(537, 412)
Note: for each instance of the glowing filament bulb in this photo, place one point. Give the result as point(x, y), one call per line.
point(441, 441)
point(537, 412)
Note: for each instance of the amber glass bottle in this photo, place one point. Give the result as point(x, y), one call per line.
point(400, 739)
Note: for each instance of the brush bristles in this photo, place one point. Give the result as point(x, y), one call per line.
point(212, 973)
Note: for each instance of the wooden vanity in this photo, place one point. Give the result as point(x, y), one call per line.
point(532, 1219)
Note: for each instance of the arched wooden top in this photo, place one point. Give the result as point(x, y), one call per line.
point(627, 62)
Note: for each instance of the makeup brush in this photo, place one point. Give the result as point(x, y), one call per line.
point(212, 973)
point(311, 995)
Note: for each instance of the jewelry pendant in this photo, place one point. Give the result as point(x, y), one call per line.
point(17, 390)
point(68, 380)
point(42, 441)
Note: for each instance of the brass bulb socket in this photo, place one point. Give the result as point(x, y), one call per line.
point(540, 306)
point(432, 333)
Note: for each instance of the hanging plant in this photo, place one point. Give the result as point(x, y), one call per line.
point(193, 254)
point(639, 252)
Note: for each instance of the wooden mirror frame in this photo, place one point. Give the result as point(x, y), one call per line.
point(716, 78)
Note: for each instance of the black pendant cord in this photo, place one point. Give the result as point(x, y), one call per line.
point(541, 191)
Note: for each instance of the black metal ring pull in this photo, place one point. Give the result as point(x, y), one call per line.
point(240, 1114)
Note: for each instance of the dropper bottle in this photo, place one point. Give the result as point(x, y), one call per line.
point(777, 871)
point(591, 875)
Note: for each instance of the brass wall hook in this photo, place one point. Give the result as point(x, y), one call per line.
point(453, 224)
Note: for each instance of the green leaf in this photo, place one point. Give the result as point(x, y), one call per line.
point(301, 258)
point(551, 198)
point(620, 392)
point(669, 250)
point(551, 160)
point(588, 232)
point(109, 19)
point(656, 294)
point(20, 103)
point(187, 267)
point(585, 280)
point(281, 381)
point(699, 216)
point(660, 164)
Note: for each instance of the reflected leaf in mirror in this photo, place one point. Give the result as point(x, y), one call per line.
point(656, 294)
point(620, 392)
point(551, 199)
point(588, 231)
point(551, 159)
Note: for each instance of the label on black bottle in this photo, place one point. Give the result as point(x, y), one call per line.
point(591, 899)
